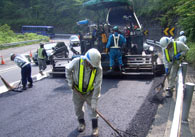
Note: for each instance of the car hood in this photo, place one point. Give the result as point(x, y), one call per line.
point(49, 52)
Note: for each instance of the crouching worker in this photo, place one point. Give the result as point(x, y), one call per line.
point(25, 66)
point(173, 54)
point(84, 76)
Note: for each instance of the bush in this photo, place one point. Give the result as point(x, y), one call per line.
point(191, 53)
point(8, 36)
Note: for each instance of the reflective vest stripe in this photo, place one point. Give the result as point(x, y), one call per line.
point(81, 78)
point(40, 53)
point(175, 48)
point(175, 51)
point(167, 55)
point(116, 41)
point(91, 81)
point(81, 75)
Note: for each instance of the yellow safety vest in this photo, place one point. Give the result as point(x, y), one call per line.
point(175, 52)
point(40, 53)
point(90, 87)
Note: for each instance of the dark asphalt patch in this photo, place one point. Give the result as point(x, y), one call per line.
point(144, 118)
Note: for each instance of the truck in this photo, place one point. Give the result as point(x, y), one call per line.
point(121, 13)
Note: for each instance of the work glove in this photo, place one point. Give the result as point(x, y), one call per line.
point(93, 106)
point(166, 71)
point(178, 56)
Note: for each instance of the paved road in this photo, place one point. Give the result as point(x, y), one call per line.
point(10, 71)
point(46, 110)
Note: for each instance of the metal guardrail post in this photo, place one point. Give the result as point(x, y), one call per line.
point(184, 70)
point(176, 124)
point(188, 94)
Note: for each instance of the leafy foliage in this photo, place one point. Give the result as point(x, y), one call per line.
point(8, 36)
point(186, 11)
point(191, 54)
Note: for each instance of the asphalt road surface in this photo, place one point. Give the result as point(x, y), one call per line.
point(10, 71)
point(46, 110)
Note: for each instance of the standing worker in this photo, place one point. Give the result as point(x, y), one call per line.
point(173, 54)
point(116, 41)
point(42, 56)
point(84, 75)
point(182, 37)
point(25, 66)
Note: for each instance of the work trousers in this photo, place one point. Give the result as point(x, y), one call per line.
point(79, 105)
point(173, 74)
point(42, 64)
point(115, 53)
point(26, 75)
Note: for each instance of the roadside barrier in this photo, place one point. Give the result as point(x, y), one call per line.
point(21, 42)
point(183, 101)
point(2, 61)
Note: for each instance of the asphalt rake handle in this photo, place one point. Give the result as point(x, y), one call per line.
point(9, 87)
point(107, 122)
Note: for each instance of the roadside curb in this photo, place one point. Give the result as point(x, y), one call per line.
point(161, 126)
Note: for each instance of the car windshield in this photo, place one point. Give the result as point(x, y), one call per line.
point(49, 46)
point(74, 38)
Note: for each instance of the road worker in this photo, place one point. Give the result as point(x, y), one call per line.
point(173, 54)
point(115, 42)
point(42, 56)
point(84, 75)
point(25, 66)
point(182, 37)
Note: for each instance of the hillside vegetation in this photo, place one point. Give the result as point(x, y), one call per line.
point(63, 15)
point(8, 36)
point(179, 13)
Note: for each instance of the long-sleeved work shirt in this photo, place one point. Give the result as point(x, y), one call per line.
point(181, 48)
point(72, 75)
point(182, 39)
point(21, 61)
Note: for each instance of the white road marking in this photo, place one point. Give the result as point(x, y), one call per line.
point(7, 69)
point(38, 76)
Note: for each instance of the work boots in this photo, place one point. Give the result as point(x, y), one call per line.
point(94, 127)
point(111, 70)
point(30, 85)
point(24, 88)
point(81, 126)
point(169, 93)
point(122, 69)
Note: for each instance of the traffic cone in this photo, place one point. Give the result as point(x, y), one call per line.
point(2, 61)
point(30, 54)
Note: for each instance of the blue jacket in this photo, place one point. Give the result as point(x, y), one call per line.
point(110, 42)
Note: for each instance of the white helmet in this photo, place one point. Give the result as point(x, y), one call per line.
point(146, 46)
point(165, 41)
point(93, 56)
point(181, 32)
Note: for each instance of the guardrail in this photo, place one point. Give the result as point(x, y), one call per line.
point(183, 101)
point(64, 35)
point(21, 42)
